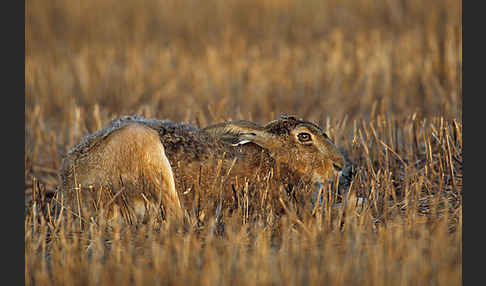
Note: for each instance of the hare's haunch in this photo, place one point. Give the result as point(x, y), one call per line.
point(168, 158)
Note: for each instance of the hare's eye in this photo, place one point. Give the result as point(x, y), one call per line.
point(304, 137)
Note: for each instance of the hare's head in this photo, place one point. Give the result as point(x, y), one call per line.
point(302, 146)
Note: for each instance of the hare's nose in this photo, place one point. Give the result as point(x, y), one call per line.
point(337, 166)
point(338, 162)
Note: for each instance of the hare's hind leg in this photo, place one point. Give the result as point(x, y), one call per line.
point(138, 154)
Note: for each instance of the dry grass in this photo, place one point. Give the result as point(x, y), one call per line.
point(382, 77)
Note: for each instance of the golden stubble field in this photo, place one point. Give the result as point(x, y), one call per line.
point(383, 78)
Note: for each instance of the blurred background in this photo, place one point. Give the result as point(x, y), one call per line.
point(88, 62)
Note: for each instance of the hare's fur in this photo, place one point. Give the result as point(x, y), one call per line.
point(170, 158)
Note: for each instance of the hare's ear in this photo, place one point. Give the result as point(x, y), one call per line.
point(232, 131)
point(234, 139)
point(241, 132)
point(261, 138)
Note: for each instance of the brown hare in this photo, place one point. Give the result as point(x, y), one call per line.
point(159, 160)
